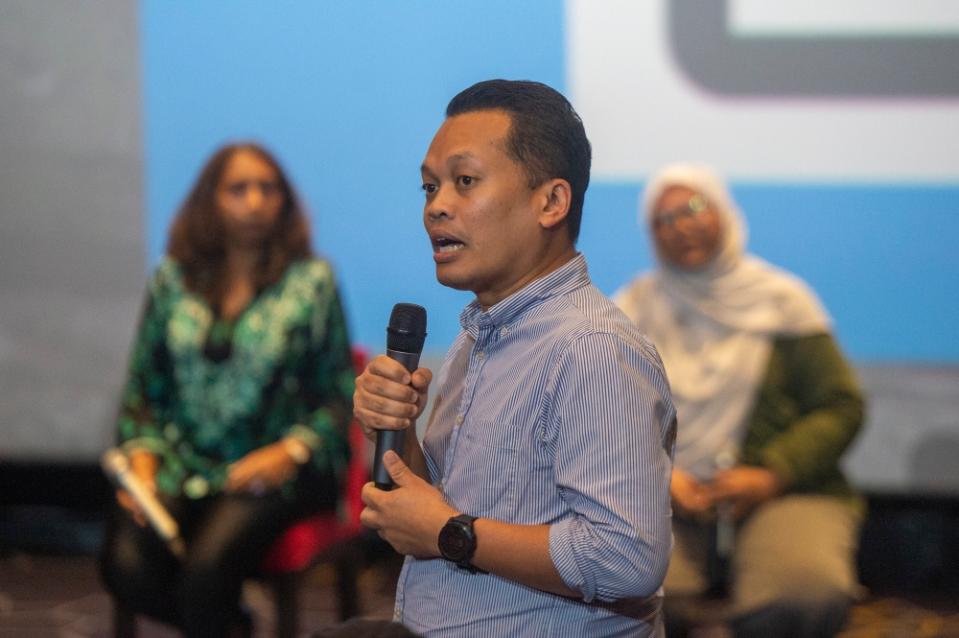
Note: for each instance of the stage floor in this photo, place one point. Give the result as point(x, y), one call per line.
point(61, 597)
point(44, 596)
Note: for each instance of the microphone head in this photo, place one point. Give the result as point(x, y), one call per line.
point(407, 329)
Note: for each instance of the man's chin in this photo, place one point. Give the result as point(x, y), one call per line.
point(450, 280)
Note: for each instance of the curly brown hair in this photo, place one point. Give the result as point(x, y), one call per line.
point(197, 238)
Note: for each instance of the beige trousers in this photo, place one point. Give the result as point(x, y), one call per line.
point(796, 551)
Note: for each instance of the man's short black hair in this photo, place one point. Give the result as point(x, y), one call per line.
point(546, 135)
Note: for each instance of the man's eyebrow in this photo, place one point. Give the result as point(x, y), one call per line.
point(457, 157)
point(465, 155)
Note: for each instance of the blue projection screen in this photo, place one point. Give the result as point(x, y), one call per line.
point(349, 95)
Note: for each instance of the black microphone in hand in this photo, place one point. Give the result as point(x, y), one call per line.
point(404, 343)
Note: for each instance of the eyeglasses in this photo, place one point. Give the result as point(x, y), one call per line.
point(690, 210)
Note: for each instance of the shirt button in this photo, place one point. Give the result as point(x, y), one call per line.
point(459, 419)
point(503, 331)
point(480, 355)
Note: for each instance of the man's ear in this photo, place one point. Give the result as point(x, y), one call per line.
point(557, 196)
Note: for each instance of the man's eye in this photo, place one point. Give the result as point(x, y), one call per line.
point(465, 180)
point(429, 188)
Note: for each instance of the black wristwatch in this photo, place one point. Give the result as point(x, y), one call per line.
point(458, 541)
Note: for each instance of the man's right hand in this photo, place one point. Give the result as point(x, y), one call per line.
point(690, 497)
point(388, 397)
point(144, 465)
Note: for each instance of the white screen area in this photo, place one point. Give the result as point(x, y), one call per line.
point(643, 109)
point(844, 17)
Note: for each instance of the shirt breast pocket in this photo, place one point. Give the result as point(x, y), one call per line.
point(482, 480)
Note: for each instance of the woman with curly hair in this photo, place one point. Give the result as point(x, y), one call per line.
point(238, 396)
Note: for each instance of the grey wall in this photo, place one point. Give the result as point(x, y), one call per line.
point(71, 222)
point(910, 441)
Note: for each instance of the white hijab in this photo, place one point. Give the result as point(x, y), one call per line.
point(714, 327)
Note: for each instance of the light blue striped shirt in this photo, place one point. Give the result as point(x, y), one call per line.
point(551, 408)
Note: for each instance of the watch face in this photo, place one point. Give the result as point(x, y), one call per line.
point(455, 541)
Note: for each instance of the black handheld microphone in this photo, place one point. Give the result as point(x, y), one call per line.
point(404, 343)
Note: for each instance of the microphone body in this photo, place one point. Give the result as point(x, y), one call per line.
point(117, 467)
point(405, 336)
point(723, 537)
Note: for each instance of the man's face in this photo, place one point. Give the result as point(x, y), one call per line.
point(480, 213)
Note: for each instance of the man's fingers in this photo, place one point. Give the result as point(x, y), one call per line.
point(378, 392)
point(368, 519)
point(383, 366)
point(422, 378)
point(383, 399)
point(379, 412)
point(398, 470)
point(404, 407)
point(373, 421)
point(371, 495)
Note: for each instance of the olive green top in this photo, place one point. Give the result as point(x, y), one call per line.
point(808, 410)
point(202, 392)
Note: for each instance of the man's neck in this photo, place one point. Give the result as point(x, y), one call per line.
point(551, 262)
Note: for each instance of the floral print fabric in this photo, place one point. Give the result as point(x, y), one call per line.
point(284, 370)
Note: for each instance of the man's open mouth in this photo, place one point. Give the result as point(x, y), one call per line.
point(447, 244)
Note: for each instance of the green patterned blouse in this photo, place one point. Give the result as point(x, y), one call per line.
point(203, 392)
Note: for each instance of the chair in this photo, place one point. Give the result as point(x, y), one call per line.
point(327, 537)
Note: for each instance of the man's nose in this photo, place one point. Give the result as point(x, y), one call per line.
point(438, 207)
point(435, 214)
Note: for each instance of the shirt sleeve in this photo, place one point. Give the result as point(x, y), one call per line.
point(329, 382)
point(613, 459)
point(148, 393)
point(831, 411)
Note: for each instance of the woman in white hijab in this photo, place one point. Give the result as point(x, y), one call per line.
point(766, 405)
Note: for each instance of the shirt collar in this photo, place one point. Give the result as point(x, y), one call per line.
point(565, 279)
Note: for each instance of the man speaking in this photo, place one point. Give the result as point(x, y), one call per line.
point(538, 502)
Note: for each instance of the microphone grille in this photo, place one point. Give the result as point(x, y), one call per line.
point(407, 329)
